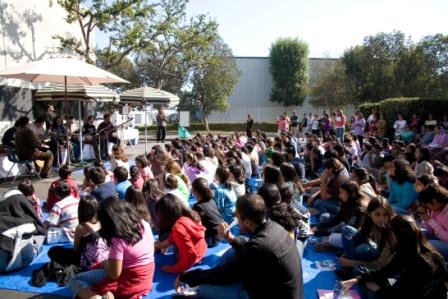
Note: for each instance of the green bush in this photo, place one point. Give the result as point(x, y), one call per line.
point(226, 127)
point(407, 107)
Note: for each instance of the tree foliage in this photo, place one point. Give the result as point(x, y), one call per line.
point(390, 65)
point(289, 70)
point(213, 79)
point(123, 20)
point(166, 60)
point(331, 86)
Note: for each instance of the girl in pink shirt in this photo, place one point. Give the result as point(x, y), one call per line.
point(143, 165)
point(434, 215)
point(130, 268)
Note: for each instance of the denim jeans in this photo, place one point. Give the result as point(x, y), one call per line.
point(356, 250)
point(340, 134)
point(400, 210)
point(327, 208)
point(441, 246)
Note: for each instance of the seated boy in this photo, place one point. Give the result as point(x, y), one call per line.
point(121, 181)
point(65, 175)
point(100, 188)
point(63, 218)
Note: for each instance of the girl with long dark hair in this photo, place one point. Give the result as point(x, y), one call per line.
point(292, 178)
point(152, 193)
point(434, 215)
point(207, 210)
point(372, 244)
point(130, 269)
point(224, 195)
point(187, 233)
point(136, 199)
point(401, 188)
point(352, 212)
point(421, 269)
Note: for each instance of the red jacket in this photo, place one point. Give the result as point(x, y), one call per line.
point(52, 198)
point(188, 236)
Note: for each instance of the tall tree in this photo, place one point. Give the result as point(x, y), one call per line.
point(123, 20)
point(289, 70)
point(331, 87)
point(213, 79)
point(166, 59)
point(371, 66)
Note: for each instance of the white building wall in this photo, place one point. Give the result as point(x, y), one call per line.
point(253, 90)
point(27, 28)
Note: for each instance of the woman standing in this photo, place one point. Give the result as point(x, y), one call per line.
point(339, 125)
point(381, 125)
point(399, 125)
point(161, 125)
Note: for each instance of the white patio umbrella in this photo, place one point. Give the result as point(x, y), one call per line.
point(149, 96)
point(62, 70)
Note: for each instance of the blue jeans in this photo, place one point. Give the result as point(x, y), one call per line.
point(340, 134)
point(327, 208)
point(356, 250)
point(441, 246)
point(231, 291)
point(400, 210)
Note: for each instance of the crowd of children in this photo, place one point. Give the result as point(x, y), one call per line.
point(380, 205)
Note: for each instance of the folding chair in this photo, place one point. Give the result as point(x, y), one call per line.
point(27, 164)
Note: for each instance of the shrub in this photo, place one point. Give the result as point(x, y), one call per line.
point(407, 107)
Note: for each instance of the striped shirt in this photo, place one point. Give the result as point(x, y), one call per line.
point(64, 214)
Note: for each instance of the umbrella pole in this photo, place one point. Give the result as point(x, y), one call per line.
point(66, 129)
point(80, 132)
point(146, 128)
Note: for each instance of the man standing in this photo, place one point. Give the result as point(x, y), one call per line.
point(294, 124)
point(249, 126)
point(161, 125)
point(28, 147)
point(49, 115)
point(265, 266)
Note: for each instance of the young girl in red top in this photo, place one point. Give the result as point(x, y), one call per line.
point(187, 233)
point(143, 165)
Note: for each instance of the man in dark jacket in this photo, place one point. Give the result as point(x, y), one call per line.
point(266, 266)
point(29, 148)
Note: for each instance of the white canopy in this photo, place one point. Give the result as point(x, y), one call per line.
point(149, 96)
point(61, 70)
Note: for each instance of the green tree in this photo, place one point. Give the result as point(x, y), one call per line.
point(123, 20)
point(166, 60)
point(372, 65)
point(289, 69)
point(125, 69)
point(213, 79)
point(331, 87)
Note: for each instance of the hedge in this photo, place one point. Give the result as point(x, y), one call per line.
point(407, 107)
point(227, 127)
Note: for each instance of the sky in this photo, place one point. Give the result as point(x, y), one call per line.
point(328, 26)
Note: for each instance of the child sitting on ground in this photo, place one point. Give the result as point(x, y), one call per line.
point(119, 158)
point(136, 179)
point(143, 165)
point(121, 181)
point(27, 188)
point(65, 175)
point(99, 188)
point(63, 218)
point(187, 233)
point(89, 249)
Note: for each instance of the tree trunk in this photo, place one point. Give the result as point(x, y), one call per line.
point(206, 122)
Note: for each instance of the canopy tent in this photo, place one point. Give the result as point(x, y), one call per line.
point(62, 70)
point(148, 96)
